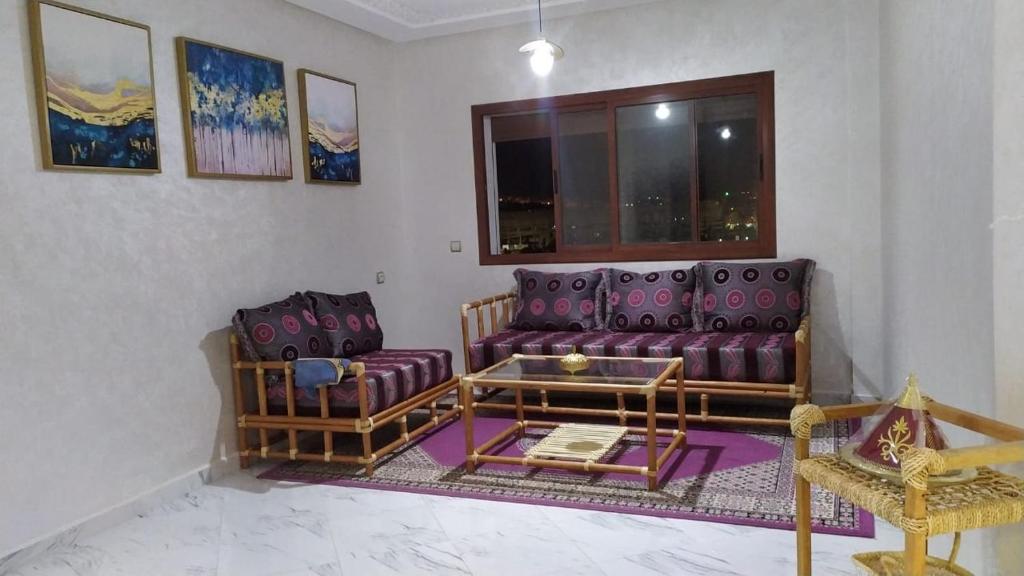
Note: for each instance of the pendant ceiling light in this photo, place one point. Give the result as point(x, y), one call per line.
point(542, 53)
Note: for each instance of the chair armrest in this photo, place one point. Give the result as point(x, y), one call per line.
point(919, 463)
point(264, 364)
point(489, 300)
point(803, 417)
point(506, 300)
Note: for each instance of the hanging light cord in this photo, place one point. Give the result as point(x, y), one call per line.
point(540, 18)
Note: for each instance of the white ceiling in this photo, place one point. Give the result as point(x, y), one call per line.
point(404, 20)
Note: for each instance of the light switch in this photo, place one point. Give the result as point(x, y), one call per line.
point(455, 246)
point(380, 277)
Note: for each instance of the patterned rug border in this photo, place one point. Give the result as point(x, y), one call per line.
point(280, 473)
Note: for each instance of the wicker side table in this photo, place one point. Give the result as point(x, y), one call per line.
point(920, 510)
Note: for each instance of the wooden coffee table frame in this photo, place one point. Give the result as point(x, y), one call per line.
point(671, 376)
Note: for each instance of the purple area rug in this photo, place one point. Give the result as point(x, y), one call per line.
point(734, 476)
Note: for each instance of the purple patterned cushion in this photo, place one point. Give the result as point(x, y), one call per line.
point(558, 301)
point(350, 321)
point(651, 302)
point(284, 330)
point(752, 297)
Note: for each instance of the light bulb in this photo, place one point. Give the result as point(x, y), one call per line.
point(662, 111)
point(726, 133)
point(542, 60)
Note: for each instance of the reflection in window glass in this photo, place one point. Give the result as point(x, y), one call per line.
point(654, 163)
point(523, 183)
point(583, 177)
point(729, 167)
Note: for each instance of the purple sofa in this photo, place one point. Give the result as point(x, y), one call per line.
point(742, 329)
point(379, 387)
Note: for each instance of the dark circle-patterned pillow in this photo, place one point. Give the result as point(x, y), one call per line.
point(769, 296)
point(285, 330)
point(349, 322)
point(650, 302)
point(557, 301)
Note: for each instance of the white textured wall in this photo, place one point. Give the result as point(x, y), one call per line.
point(114, 290)
point(825, 57)
point(937, 196)
point(937, 138)
point(1008, 241)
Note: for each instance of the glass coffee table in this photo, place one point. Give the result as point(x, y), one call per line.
point(579, 446)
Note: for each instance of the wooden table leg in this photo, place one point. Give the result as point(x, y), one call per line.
point(652, 442)
point(803, 513)
point(466, 389)
point(681, 404)
point(916, 544)
point(520, 414)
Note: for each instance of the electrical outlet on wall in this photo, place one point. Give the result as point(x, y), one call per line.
point(455, 246)
point(380, 277)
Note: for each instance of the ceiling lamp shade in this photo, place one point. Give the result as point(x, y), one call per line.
point(885, 438)
point(542, 55)
point(542, 52)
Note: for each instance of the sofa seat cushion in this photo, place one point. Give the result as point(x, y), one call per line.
point(391, 377)
point(734, 357)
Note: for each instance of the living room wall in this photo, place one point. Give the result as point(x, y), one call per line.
point(1008, 238)
point(115, 291)
point(825, 58)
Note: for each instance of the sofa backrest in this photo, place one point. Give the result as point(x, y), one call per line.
point(752, 297)
point(349, 320)
point(558, 301)
point(282, 330)
point(650, 302)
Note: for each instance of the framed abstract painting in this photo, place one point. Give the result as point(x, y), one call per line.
point(94, 89)
point(330, 129)
point(235, 113)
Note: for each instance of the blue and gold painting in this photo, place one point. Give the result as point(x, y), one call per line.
point(235, 113)
point(330, 128)
point(95, 85)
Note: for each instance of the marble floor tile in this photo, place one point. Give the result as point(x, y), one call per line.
point(244, 526)
point(404, 541)
point(280, 530)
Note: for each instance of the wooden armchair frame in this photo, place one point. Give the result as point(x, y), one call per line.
point(917, 466)
point(245, 373)
point(486, 317)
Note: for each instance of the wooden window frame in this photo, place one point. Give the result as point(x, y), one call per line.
point(760, 83)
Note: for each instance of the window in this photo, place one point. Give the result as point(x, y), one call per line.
point(679, 171)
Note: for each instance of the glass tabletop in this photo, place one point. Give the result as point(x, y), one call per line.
point(619, 371)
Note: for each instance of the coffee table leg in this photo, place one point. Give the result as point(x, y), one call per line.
point(520, 415)
point(466, 389)
point(652, 442)
point(681, 404)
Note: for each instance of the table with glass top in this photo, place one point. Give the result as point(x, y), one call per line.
point(579, 446)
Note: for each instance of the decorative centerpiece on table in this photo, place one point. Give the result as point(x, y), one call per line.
point(880, 445)
point(573, 362)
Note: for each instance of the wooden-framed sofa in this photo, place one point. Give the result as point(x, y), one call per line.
point(764, 365)
point(380, 387)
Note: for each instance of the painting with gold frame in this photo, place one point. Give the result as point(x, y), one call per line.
point(235, 113)
point(94, 90)
point(329, 115)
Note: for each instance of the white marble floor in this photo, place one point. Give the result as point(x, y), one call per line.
point(242, 526)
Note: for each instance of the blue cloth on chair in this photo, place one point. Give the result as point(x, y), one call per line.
point(312, 373)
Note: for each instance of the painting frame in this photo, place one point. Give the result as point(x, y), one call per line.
point(304, 119)
point(191, 158)
point(39, 69)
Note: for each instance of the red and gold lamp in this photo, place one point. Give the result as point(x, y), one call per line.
point(897, 427)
